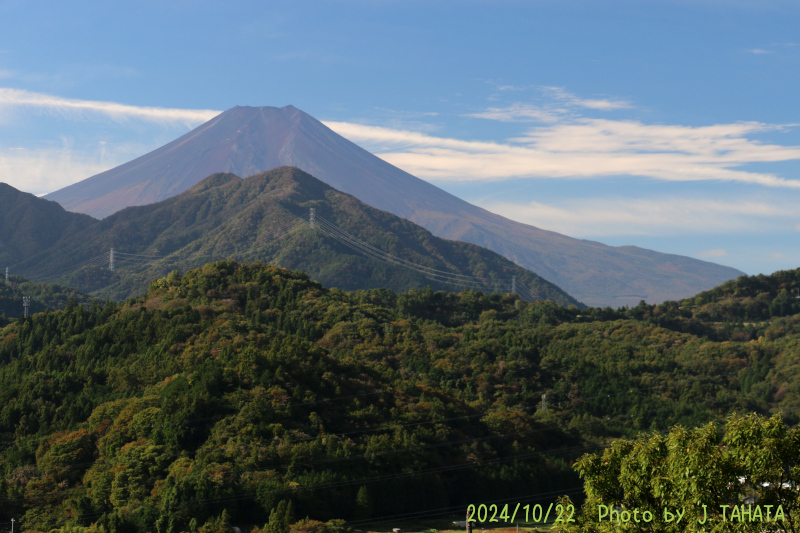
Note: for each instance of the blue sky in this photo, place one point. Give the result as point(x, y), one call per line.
point(672, 125)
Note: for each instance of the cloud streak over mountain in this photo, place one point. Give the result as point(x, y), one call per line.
point(585, 148)
point(113, 110)
point(42, 170)
point(567, 146)
point(558, 144)
point(592, 103)
point(604, 216)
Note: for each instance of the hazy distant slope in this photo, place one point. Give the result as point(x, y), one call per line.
point(224, 216)
point(246, 140)
point(29, 225)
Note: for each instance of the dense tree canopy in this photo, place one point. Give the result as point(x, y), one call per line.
point(744, 478)
point(42, 296)
point(249, 395)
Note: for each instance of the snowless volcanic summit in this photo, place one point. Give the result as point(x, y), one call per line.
point(248, 140)
point(245, 141)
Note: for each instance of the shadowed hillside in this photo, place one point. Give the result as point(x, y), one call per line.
point(29, 225)
point(262, 218)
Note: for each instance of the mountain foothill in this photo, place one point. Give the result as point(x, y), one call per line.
point(250, 140)
point(264, 218)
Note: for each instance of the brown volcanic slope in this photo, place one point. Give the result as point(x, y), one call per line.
point(248, 140)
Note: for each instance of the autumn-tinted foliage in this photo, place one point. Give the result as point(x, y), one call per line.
point(750, 298)
point(741, 478)
point(42, 296)
point(233, 388)
point(248, 394)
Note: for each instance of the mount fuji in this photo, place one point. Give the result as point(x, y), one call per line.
point(248, 140)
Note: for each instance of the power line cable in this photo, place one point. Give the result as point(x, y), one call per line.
point(392, 258)
point(436, 274)
point(476, 284)
point(91, 262)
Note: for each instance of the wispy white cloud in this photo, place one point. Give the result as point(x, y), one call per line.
point(520, 113)
point(617, 216)
point(759, 51)
point(43, 170)
point(568, 146)
point(557, 109)
point(116, 111)
point(511, 87)
point(408, 120)
point(585, 148)
point(600, 104)
point(46, 169)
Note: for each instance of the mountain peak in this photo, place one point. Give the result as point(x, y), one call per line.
point(251, 140)
point(286, 108)
point(242, 140)
point(266, 113)
point(214, 180)
point(291, 180)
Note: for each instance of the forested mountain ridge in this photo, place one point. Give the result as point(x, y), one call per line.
point(751, 297)
point(247, 140)
point(258, 218)
point(30, 224)
point(232, 388)
point(42, 296)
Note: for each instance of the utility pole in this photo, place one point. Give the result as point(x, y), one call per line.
point(111, 260)
point(514, 285)
point(12, 525)
point(312, 218)
point(469, 524)
point(26, 303)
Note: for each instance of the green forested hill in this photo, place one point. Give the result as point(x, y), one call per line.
point(30, 224)
point(751, 297)
point(235, 388)
point(233, 392)
point(257, 219)
point(42, 296)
